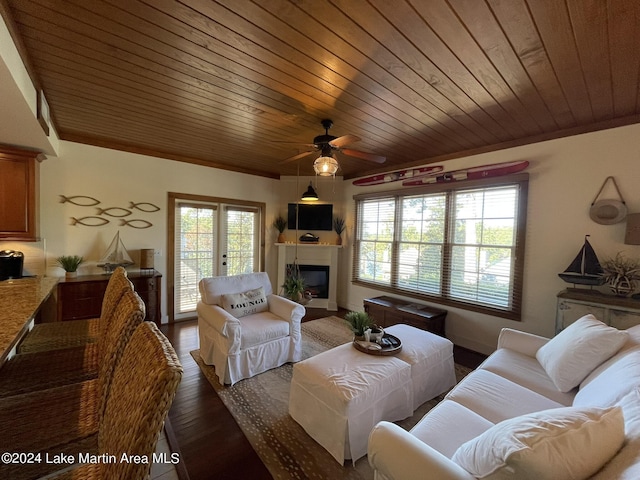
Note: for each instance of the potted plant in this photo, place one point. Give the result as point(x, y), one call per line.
point(338, 226)
point(293, 287)
point(70, 264)
point(621, 274)
point(358, 322)
point(280, 223)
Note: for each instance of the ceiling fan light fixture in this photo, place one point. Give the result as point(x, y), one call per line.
point(310, 195)
point(325, 166)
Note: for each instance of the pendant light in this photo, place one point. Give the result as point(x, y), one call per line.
point(310, 195)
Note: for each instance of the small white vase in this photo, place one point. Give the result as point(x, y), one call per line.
point(69, 275)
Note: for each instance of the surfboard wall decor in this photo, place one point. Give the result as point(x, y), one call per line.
point(474, 173)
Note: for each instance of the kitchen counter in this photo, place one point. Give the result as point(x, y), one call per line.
point(20, 301)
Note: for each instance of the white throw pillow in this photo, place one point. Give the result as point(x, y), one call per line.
point(611, 381)
point(556, 444)
point(576, 351)
point(246, 303)
point(626, 463)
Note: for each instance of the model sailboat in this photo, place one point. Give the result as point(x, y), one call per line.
point(585, 268)
point(115, 256)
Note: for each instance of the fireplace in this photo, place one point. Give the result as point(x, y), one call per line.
point(319, 266)
point(316, 279)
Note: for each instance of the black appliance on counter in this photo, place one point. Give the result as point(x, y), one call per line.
point(11, 263)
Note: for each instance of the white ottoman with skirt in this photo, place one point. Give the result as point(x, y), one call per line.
point(431, 360)
point(339, 395)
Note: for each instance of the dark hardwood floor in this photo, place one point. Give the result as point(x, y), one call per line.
point(201, 429)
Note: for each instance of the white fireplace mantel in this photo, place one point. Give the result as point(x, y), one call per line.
point(312, 254)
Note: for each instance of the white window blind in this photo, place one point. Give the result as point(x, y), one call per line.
point(459, 246)
point(483, 246)
point(376, 221)
point(421, 243)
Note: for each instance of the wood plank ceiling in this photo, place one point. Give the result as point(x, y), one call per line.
point(242, 85)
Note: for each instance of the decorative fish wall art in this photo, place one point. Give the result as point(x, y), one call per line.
point(144, 207)
point(135, 223)
point(117, 212)
point(89, 221)
point(80, 200)
point(114, 212)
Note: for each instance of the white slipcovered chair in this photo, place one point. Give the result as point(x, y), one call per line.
point(244, 344)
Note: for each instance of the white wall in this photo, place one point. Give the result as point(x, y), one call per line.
point(565, 176)
point(116, 178)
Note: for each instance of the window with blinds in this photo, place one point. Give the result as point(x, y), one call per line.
point(460, 246)
point(376, 235)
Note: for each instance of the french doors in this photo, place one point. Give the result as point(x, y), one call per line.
point(210, 237)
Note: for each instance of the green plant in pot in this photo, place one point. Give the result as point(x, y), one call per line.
point(280, 223)
point(70, 264)
point(338, 227)
point(293, 286)
point(358, 322)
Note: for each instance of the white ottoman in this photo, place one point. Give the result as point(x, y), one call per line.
point(431, 360)
point(339, 395)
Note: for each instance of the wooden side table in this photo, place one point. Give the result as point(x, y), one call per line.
point(387, 311)
point(81, 297)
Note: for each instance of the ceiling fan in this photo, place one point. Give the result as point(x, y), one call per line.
point(328, 144)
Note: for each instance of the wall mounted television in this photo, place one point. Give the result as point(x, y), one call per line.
point(310, 217)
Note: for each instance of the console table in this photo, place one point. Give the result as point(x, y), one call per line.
point(619, 312)
point(387, 311)
point(81, 297)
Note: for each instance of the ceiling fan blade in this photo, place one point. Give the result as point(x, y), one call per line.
point(297, 156)
point(344, 140)
point(364, 155)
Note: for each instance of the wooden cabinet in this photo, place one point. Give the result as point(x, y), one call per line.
point(19, 194)
point(573, 303)
point(387, 311)
point(81, 297)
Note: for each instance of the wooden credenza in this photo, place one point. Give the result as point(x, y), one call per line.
point(387, 311)
point(573, 303)
point(81, 297)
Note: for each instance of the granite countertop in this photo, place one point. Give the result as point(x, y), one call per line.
point(20, 300)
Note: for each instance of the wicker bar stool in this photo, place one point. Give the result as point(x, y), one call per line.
point(60, 335)
point(64, 419)
point(143, 388)
point(29, 372)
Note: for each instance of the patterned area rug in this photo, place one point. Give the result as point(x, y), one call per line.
point(260, 406)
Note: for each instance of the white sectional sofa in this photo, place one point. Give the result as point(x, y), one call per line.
point(535, 409)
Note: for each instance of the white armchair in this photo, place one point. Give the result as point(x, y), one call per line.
point(254, 343)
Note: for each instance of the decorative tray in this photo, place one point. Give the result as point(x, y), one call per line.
point(389, 345)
